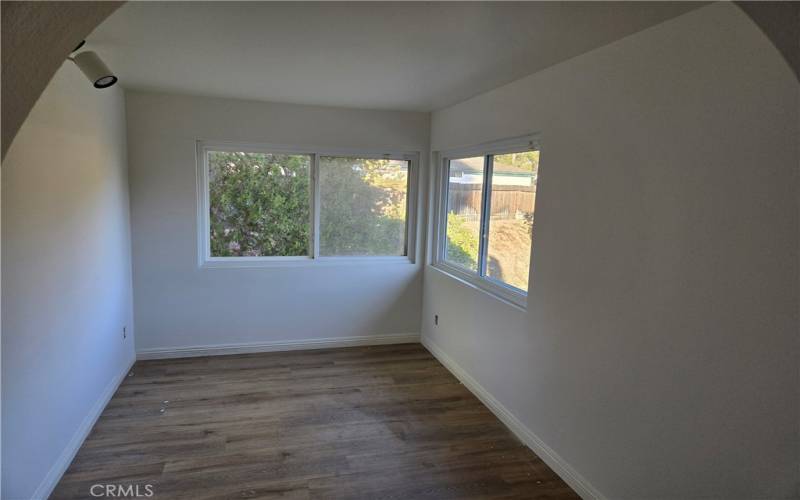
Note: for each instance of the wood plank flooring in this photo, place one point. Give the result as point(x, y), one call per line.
point(383, 422)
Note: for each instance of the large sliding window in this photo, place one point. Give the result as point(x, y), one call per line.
point(486, 207)
point(261, 205)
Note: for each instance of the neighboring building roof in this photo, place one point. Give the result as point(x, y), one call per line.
point(475, 166)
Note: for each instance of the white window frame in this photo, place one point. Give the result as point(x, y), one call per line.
point(206, 260)
point(477, 279)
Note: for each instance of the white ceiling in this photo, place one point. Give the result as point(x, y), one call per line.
point(384, 55)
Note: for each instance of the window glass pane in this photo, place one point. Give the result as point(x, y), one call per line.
point(511, 217)
point(259, 204)
point(362, 206)
point(464, 199)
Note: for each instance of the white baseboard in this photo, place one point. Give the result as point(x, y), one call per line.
point(58, 469)
point(550, 457)
point(278, 345)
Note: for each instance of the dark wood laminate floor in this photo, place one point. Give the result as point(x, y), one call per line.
point(385, 422)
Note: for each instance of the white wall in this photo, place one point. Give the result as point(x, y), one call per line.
point(66, 278)
point(658, 356)
point(180, 305)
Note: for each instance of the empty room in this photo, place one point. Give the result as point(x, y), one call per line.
point(400, 250)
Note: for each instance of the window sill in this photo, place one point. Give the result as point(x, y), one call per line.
point(507, 295)
point(273, 262)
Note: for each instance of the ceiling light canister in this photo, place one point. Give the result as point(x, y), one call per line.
point(95, 69)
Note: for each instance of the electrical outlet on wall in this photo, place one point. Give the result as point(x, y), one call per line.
point(436, 319)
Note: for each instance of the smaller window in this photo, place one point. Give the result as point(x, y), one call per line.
point(363, 206)
point(464, 202)
point(258, 204)
point(487, 204)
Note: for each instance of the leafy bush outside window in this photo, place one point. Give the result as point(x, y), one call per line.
point(260, 204)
